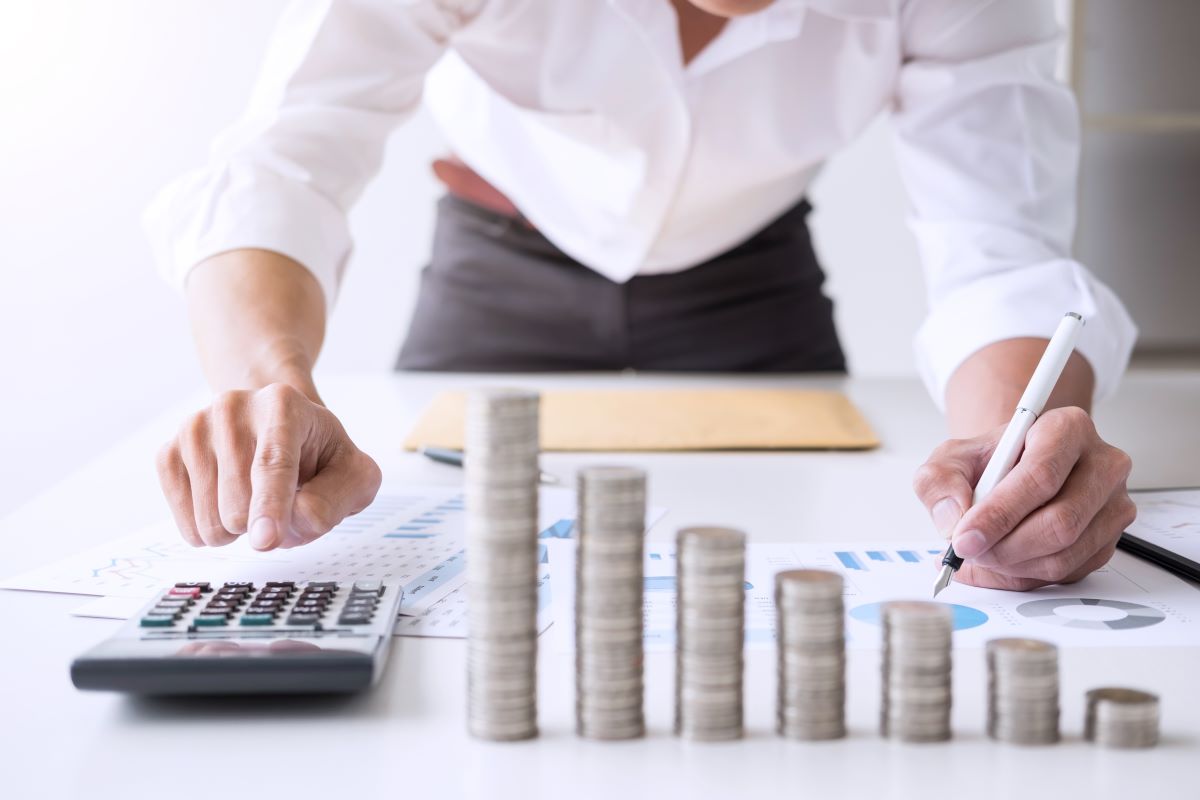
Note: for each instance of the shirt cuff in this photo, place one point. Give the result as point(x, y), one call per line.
point(237, 206)
point(1025, 302)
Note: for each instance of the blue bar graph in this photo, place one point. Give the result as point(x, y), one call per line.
point(656, 556)
point(878, 555)
point(849, 560)
point(408, 535)
point(909, 556)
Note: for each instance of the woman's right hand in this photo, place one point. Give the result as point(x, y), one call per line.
point(270, 462)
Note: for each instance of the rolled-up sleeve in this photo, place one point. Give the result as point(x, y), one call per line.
point(337, 79)
point(988, 146)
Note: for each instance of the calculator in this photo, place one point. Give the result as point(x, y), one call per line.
point(277, 637)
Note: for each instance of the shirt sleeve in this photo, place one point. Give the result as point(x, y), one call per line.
point(338, 77)
point(987, 142)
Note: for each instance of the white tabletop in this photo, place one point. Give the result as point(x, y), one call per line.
point(407, 737)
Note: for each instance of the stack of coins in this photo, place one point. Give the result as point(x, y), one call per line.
point(501, 520)
point(916, 671)
point(710, 629)
point(1121, 718)
point(1022, 691)
point(608, 603)
point(811, 648)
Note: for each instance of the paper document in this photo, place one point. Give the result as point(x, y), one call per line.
point(672, 419)
point(1128, 603)
point(416, 535)
point(1169, 519)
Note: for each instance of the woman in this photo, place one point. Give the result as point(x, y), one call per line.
point(627, 190)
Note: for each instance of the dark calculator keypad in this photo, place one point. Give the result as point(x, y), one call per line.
point(195, 606)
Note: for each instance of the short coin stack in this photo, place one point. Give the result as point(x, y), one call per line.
point(1123, 718)
point(916, 671)
point(501, 509)
point(811, 648)
point(1022, 691)
point(710, 629)
point(608, 603)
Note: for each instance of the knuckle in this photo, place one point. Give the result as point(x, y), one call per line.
point(1056, 568)
point(1126, 512)
point(274, 457)
point(1076, 419)
point(1064, 523)
point(1045, 478)
point(193, 435)
point(1122, 463)
point(279, 397)
point(227, 410)
point(164, 461)
point(928, 477)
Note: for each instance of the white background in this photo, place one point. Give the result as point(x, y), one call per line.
point(103, 103)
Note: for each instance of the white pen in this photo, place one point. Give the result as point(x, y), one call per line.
point(1008, 449)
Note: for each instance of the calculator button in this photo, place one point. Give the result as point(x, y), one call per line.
point(258, 619)
point(280, 596)
point(354, 619)
point(238, 586)
point(210, 620)
point(165, 611)
point(221, 605)
point(214, 613)
point(175, 602)
point(151, 621)
point(372, 587)
point(203, 586)
point(320, 586)
point(303, 619)
point(281, 585)
point(183, 592)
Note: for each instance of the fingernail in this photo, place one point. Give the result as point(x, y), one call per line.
point(946, 515)
point(969, 544)
point(263, 533)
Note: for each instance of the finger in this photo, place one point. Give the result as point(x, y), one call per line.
point(345, 486)
point(176, 486)
point(1057, 525)
point(1099, 536)
point(275, 470)
point(233, 442)
point(1052, 448)
point(201, 466)
point(945, 482)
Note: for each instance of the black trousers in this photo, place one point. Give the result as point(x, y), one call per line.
point(499, 297)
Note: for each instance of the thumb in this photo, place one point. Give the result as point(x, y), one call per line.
point(346, 484)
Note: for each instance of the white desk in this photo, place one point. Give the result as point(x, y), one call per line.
point(406, 738)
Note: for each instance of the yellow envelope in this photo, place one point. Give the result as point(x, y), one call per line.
point(672, 419)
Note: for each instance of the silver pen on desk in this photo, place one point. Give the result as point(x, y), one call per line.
point(445, 455)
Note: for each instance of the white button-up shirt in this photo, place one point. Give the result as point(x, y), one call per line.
point(583, 113)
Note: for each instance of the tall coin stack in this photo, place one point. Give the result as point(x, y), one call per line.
point(608, 603)
point(916, 671)
point(1022, 691)
point(1123, 718)
point(502, 512)
point(811, 648)
point(710, 630)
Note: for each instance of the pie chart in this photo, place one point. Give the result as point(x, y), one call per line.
point(1091, 613)
point(964, 616)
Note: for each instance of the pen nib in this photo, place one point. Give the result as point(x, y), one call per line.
point(943, 579)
